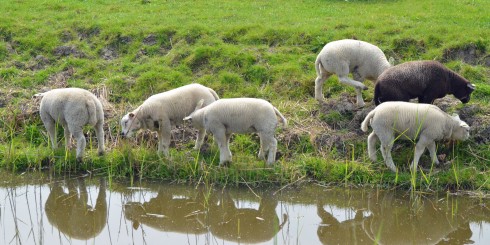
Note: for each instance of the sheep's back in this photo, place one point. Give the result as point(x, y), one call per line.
point(178, 103)
point(415, 77)
point(69, 104)
point(241, 115)
point(364, 56)
point(411, 119)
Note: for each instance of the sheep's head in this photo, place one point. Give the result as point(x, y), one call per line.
point(461, 131)
point(130, 124)
point(464, 93)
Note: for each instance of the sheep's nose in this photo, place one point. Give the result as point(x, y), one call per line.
point(122, 134)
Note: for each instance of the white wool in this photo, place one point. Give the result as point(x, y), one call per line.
point(424, 122)
point(362, 59)
point(72, 108)
point(240, 115)
point(162, 111)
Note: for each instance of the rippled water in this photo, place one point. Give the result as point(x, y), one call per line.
point(39, 209)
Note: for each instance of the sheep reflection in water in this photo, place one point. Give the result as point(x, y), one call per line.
point(204, 212)
point(390, 218)
point(70, 212)
point(167, 212)
point(245, 225)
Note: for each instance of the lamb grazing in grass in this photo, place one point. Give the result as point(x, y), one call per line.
point(425, 80)
point(161, 111)
point(426, 122)
point(362, 59)
point(73, 108)
point(239, 115)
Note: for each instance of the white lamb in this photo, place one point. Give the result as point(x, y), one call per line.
point(362, 59)
point(239, 115)
point(73, 108)
point(426, 122)
point(161, 111)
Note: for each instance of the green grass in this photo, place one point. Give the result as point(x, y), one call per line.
point(262, 49)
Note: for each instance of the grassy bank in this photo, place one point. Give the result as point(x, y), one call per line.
point(129, 50)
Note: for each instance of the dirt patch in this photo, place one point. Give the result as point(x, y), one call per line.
point(479, 120)
point(87, 33)
point(38, 63)
point(447, 103)
point(334, 141)
point(343, 114)
point(470, 54)
point(150, 40)
point(64, 51)
point(108, 53)
point(66, 36)
point(59, 80)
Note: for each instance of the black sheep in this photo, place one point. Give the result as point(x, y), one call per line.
point(425, 80)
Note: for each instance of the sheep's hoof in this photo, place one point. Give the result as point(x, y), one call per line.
point(225, 163)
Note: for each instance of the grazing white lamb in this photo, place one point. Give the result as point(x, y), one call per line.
point(362, 59)
point(161, 111)
point(73, 108)
point(426, 122)
point(239, 115)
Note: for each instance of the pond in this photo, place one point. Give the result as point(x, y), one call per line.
point(45, 209)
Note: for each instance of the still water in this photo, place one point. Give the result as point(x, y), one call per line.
point(40, 209)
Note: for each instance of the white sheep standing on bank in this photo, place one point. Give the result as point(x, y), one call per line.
point(239, 115)
point(162, 111)
point(426, 122)
point(362, 59)
point(72, 108)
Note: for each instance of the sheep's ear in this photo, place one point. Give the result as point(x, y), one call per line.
point(456, 116)
point(131, 115)
point(391, 60)
point(199, 104)
point(187, 118)
point(471, 86)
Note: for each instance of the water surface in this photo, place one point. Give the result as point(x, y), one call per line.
point(42, 209)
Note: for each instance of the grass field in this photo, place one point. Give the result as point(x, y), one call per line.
point(129, 50)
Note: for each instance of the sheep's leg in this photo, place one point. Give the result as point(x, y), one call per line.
point(356, 84)
point(67, 137)
point(224, 150)
point(200, 138)
point(359, 99)
point(272, 151)
point(99, 132)
point(228, 137)
point(164, 135)
point(51, 128)
point(386, 151)
point(419, 150)
point(432, 150)
point(319, 81)
point(262, 150)
point(372, 138)
point(81, 142)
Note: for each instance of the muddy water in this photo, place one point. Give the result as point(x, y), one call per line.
point(39, 209)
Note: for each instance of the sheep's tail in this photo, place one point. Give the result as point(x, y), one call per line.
point(283, 119)
point(92, 111)
point(215, 95)
point(367, 120)
point(318, 66)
